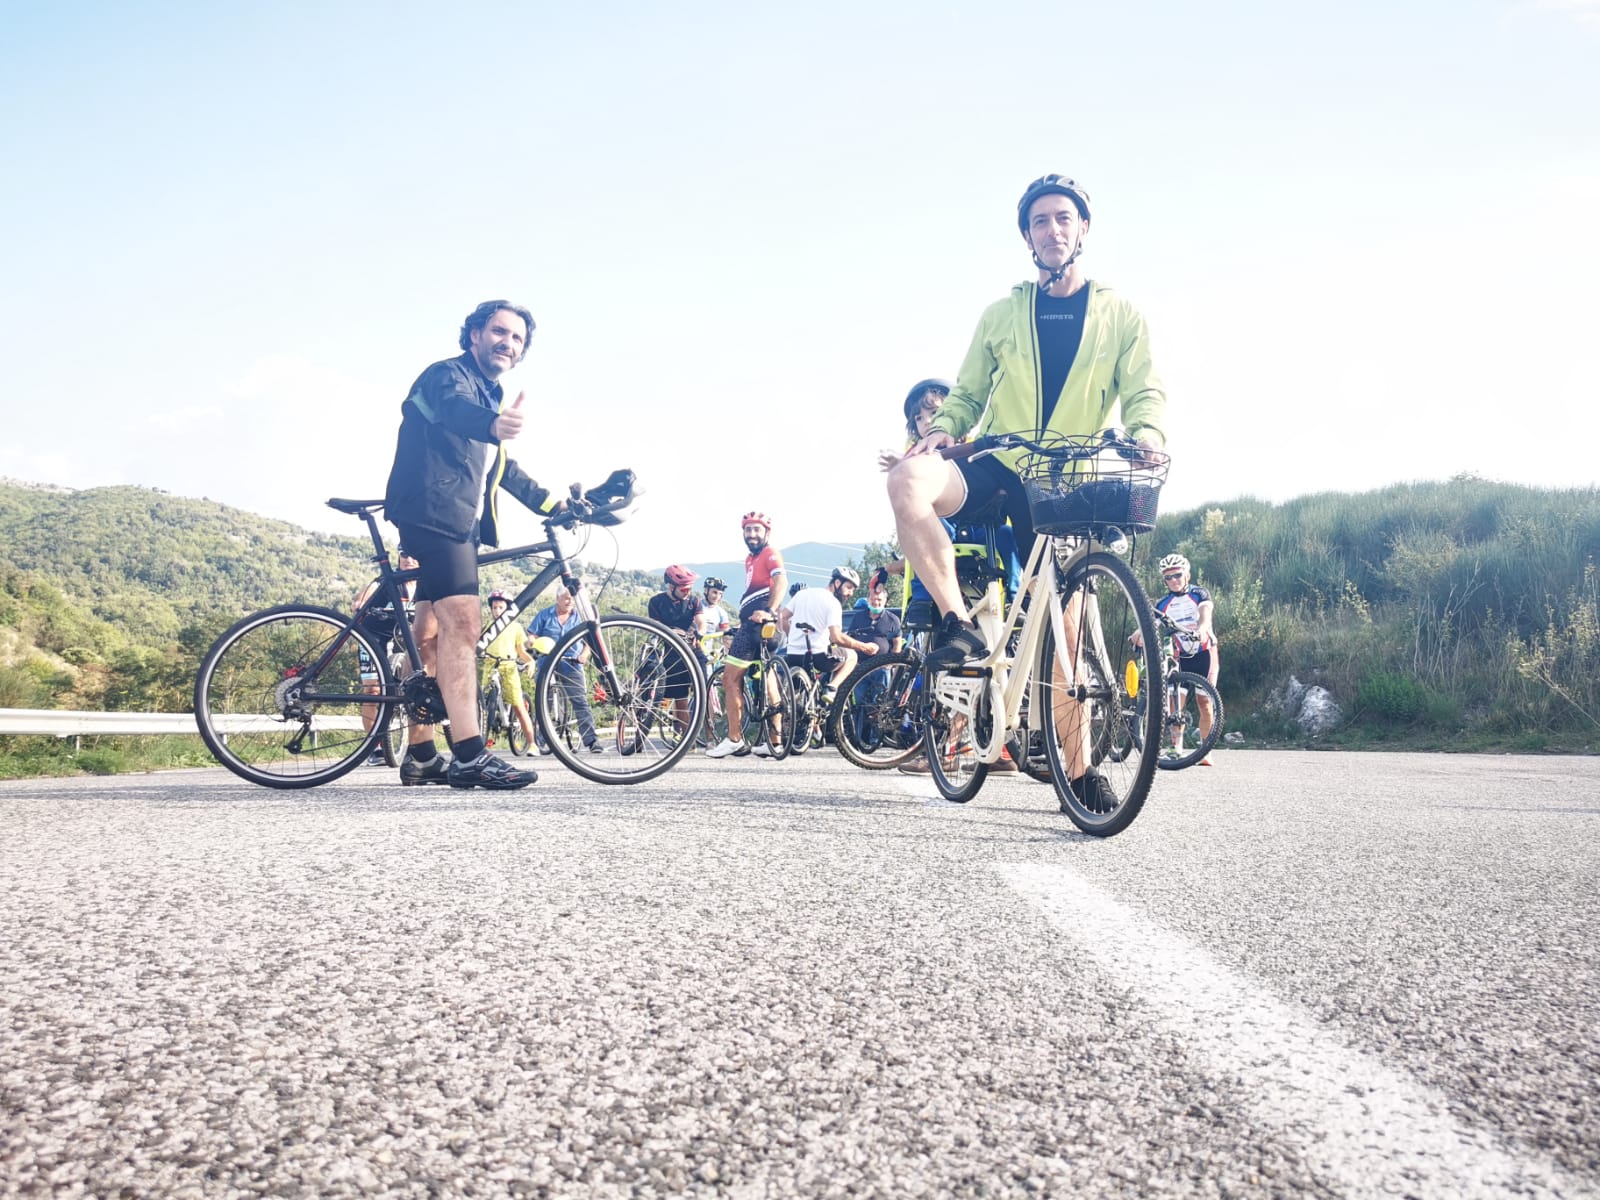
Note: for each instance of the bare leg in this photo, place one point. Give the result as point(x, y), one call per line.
point(425, 628)
point(733, 699)
point(921, 489)
point(458, 631)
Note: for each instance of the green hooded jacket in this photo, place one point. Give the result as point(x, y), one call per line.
point(1112, 381)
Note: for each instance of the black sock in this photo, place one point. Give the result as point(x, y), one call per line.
point(421, 752)
point(469, 748)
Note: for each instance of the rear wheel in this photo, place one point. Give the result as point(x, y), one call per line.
point(779, 720)
point(278, 697)
point(805, 711)
point(1099, 741)
point(876, 721)
point(952, 739)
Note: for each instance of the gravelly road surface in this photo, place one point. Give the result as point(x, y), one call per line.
point(1296, 975)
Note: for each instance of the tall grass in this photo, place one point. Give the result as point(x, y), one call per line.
point(1466, 606)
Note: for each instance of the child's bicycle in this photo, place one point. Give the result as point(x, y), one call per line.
point(496, 718)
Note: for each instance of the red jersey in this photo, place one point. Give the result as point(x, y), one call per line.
point(759, 569)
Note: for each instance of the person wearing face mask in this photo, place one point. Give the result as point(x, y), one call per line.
point(763, 586)
point(872, 621)
point(679, 609)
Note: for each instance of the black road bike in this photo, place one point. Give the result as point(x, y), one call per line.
point(278, 697)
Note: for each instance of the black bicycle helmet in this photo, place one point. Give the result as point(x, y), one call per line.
point(713, 582)
point(796, 588)
point(914, 398)
point(1052, 185)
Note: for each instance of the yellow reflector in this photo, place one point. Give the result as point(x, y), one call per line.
point(769, 630)
point(1130, 679)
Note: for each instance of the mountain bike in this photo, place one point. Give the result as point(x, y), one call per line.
point(877, 716)
point(496, 717)
point(277, 698)
point(1186, 698)
point(768, 697)
point(811, 709)
point(1054, 648)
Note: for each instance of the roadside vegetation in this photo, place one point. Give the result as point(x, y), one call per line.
point(1462, 615)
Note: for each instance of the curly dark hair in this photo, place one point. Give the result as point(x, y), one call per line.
point(479, 317)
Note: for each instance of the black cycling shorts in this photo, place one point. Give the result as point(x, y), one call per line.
point(987, 478)
point(746, 646)
point(449, 567)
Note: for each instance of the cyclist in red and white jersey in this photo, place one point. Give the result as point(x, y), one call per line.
point(1190, 607)
point(763, 581)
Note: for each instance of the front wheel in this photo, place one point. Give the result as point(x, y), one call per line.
point(1099, 740)
point(278, 697)
point(629, 691)
point(1181, 743)
point(876, 720)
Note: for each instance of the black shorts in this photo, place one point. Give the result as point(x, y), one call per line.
point(746, 646)
point(1201, 663)
point(986, 479)
point(822, 666)
point(449, 567)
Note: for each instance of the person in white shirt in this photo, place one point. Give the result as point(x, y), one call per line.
point(712, 623)
point(814, 623)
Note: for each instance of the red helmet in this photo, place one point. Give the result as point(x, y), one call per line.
point(756, 518)
point(679, 577)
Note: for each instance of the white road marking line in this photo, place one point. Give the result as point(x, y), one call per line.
point(1372, 1129)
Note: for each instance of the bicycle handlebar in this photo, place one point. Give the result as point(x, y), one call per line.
point(989, 443)
point(600, 505)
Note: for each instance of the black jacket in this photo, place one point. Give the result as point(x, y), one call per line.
point(448, 465)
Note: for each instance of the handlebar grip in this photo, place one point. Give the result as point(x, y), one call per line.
point(967, 449)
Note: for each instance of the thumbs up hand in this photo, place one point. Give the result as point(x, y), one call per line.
point(509, 423)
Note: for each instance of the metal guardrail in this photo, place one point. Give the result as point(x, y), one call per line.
point(70, 723)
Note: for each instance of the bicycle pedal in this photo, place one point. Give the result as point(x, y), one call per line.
point(967, 673)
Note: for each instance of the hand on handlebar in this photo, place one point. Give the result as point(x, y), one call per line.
point(932, 444)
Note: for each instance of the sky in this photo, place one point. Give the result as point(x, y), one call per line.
point(1363, 236)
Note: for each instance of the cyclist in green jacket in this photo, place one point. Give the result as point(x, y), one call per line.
point(1060, 354)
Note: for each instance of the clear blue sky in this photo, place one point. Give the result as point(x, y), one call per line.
point(1364, 235)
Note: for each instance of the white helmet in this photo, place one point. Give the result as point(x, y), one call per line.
point(1173, 562)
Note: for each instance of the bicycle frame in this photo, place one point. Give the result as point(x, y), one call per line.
point(390, 592)
point(960, 689)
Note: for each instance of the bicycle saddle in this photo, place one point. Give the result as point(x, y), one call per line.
point(355, 506)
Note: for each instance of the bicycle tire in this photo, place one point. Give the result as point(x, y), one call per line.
point(877, 728)
point(805, 710)
point(950, 741)
point(1099, 710)
point(515, 738)
point(397, 736)
point(1195, 686)
point(613, 689)
point(780, 718)
point(249, 706)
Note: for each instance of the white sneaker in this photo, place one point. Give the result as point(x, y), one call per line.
point(726, 747)
point(762, 750)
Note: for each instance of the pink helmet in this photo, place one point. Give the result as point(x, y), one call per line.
point(756, 518)
point(680, 577)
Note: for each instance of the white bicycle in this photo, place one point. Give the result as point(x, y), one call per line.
point(1055, 670)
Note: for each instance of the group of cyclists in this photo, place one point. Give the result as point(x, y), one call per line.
point(1060, 353)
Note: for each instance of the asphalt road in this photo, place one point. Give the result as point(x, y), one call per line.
point(1295, 975)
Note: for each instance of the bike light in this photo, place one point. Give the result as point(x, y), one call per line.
point(769, 631)
point(1130, 679)
point(1115, 540)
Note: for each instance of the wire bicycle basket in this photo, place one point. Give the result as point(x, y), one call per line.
point(1079, 485)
